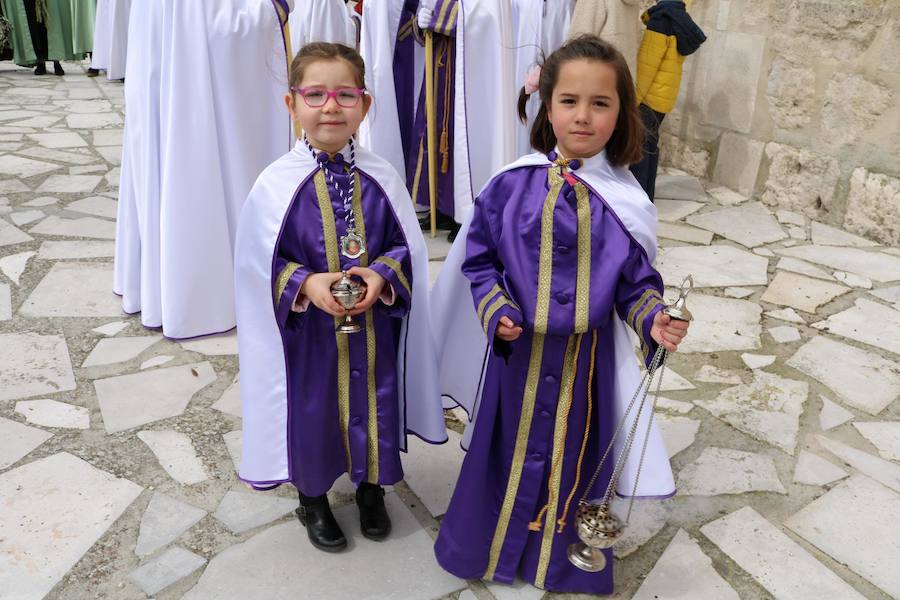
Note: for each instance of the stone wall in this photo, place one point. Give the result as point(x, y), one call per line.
point(796, 102)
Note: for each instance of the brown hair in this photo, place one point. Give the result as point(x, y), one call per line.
point(317, 51)
point(624, 147)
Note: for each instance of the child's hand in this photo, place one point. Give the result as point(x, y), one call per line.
point(667, 331)
point(507, 330)
point(317, 287)
point(374, 285)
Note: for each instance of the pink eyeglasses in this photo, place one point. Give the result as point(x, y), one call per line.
point(317, 97)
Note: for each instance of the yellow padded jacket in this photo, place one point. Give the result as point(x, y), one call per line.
point(659, 71)
point(671, 35)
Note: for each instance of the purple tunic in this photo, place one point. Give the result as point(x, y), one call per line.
point(551, 255)
point(443, 24)
point(342, 389)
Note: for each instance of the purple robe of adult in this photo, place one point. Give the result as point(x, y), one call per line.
point(547, 251)
point(441, 20)
point(341, 404)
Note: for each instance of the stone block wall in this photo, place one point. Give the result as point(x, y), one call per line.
point(796, 102)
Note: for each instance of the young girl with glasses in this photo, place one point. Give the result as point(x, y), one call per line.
point(557, 257)
point(318, 402)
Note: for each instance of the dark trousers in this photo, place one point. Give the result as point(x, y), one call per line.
point(645, 171)
point(37, 30)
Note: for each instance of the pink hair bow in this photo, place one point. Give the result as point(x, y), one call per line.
point(533, 80)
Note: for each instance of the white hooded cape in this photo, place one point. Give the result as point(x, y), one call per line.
point(462, 345)
point(263, 372)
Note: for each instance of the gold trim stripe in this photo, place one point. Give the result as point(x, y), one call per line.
point(442, 14)
point(560, 429)
point(545, 267)
point(637, 306)
point(496, 305)
point(283, 278)
point(397, 268)
point(639, 324)
point(334, 265)
point(583, 283)
point(372, 395)
point(484, 301)
point(541, 316)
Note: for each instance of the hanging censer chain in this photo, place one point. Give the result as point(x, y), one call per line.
point(595, 524)
point(352, 244)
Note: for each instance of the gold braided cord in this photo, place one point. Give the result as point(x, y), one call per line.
point(561, 430)
point(584, 439)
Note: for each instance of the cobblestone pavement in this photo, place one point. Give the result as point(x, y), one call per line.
point(117, 446)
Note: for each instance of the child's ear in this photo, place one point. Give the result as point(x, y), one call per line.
point(367, 104)
point(289, 102)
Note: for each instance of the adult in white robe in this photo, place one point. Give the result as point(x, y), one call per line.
point(485, 109)
point(205, 114)
point(111, 37)
point(321, 21)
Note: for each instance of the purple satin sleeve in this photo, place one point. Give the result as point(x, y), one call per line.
point(483, 268)
point(285, 301)
point(639, 298)
point(395, 266)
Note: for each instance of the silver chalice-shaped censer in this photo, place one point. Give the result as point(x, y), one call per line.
point(347, 293)
point(597, 527)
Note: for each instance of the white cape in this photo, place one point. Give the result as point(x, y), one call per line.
point(263, 372)
point(111, 37)
point(462, 344)
point(321, 21)
point(204, 90)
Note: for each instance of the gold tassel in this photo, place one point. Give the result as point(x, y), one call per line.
point(445, 151)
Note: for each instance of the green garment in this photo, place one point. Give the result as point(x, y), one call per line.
point(83, 13)
point(59, 32)
point(23, 52)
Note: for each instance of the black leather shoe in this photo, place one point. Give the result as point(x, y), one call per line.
point(40, 69)
point(57, 69)
point(321, 527)
point(373, 518)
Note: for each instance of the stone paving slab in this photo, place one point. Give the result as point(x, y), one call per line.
point(856, 513)
point(280, 561)
point(54, 509)
point(778, 563)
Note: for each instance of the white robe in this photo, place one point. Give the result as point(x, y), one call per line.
point(205, 114)
point(263, 374)
point(111, 37)
point(380, 132)
point(484, 119)
point(461, 342)
point(321, 21)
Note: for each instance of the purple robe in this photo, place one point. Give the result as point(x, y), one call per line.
point(342, 389)
point(443, 24)
point(550, 254)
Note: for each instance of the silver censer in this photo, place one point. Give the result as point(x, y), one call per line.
point(347, 293)
point(597, 527)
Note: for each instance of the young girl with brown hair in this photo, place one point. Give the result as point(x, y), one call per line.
point(319, 402)
point(555, 259)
